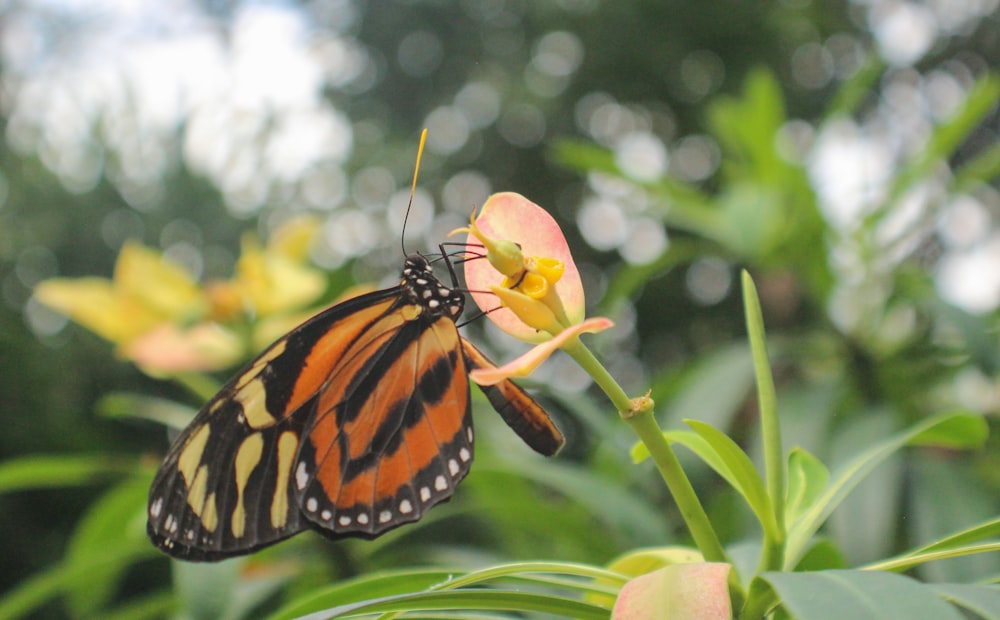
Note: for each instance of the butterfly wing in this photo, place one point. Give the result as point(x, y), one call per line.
point(225, 487)
point(393, 440)
point(519, 410)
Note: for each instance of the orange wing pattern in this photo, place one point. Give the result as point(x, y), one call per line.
point(356, 422)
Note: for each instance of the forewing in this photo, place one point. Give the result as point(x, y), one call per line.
point(392, 435)
point(519, 410)
point(226, 486)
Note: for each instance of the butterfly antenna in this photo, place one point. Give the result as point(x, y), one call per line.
point(413, 189)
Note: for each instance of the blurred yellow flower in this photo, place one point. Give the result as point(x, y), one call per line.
point(145, 291)
point(159, 317)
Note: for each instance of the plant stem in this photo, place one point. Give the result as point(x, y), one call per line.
point(639, 416)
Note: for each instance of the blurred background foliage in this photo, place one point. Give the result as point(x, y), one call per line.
point(844, 152)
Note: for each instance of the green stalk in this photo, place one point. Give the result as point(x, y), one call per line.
point(638, 414)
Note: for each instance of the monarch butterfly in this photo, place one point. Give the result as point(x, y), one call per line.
point(355, 422)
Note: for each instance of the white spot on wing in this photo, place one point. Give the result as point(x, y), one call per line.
point(326, 515)
point(405, 507)
point(344, 520)
point(301, 476)
point(440, 483)
point(384, 517)
point(312, 504)
point(363, 518)
point(464, 455)
point(468, 433)
point(425, 494)
point(453, 467)
point(156, 507)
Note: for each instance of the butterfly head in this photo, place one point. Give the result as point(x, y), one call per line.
point(424, 289)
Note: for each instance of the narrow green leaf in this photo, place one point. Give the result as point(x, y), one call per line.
point(966, 430)
point(774, 464)
point(980, 599)
point(944, 427)
point(959, 544)
point(141, 407)
point(946, 137)
point(856, 88)
point(472, 600)
point(748, 482)
point(980, 170)
point(859, 595)
point(807, 477)
point(980, 531)
point(52, 582)
point(153, 607)
point(39, 472)
point(366, 587)
point(118, 513)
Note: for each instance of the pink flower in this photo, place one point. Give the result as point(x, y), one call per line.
point(529, 285)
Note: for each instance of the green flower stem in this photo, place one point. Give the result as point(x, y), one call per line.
point(772, 554)
point(639, 416)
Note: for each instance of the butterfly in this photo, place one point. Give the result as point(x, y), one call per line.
point(355, 422)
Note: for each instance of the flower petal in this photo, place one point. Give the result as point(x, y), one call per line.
point(145, 275)
point(95, 304)
point(525, 364)
point(510, 216)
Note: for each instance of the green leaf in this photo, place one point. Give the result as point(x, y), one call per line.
point(50, 583)
point(141, 407)
point(119, 513)
point(980, 170)
point(856, 88)
point(959, 544)
point(366, 587)
point(859, 595)
point(946, 427)
point(39, 472)
point(642, 561)
point(747, 481)
point(945, 496)
point(966, 430)
point(807, 477)
point(946, 138)
point(822, 555)
point(153, 607)
point(865, 524)
point(472, 600)
point(980, 599)
point(373, 589)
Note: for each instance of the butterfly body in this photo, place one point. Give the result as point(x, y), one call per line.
point(356, 422)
